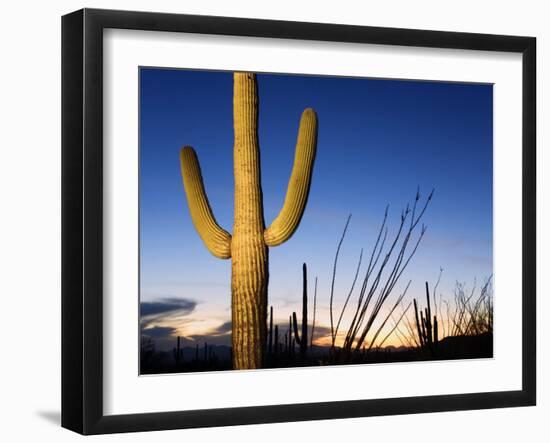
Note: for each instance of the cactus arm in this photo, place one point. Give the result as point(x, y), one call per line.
point(287, 221)
point(216, 239)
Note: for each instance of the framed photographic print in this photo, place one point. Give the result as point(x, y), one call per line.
point(269, 221)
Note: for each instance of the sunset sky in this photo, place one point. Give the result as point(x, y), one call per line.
point(378, 141)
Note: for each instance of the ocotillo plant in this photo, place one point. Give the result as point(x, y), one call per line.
point(428, 334)
point(471, 314)
point(301, 340)
point(248, 247)
point(386, 265)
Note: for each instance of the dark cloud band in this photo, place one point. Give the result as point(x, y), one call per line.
point(166, 305)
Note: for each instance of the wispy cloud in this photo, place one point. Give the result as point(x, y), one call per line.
point(167, 305)
point(159, 331)
point(223, 329)
point(322, 335)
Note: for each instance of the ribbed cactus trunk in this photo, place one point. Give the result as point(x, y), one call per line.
point(249, 272)
point(248, 246)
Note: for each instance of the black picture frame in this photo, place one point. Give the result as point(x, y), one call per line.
point(82, 215)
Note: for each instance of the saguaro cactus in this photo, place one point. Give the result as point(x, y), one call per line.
point(270, 334)
point(428, 334)
point(301, 340)
point(248, 247)
point(178, 352)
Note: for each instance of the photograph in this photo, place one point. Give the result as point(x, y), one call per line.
point(290, 220)
point(285, 219)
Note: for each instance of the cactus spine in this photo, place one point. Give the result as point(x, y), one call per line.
point(248, 247)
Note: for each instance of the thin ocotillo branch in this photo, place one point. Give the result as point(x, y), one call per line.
point(398, 302)
point(375, 255)
point(435, 292)
point(395, 327)
point(411, 333)
point(349, 294)
point(404, 339)
point(334, 279)
point(314, 312)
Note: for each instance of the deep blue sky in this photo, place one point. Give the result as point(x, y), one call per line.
point(378, 140)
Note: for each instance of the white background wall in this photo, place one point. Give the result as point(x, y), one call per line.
point(30, 218)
